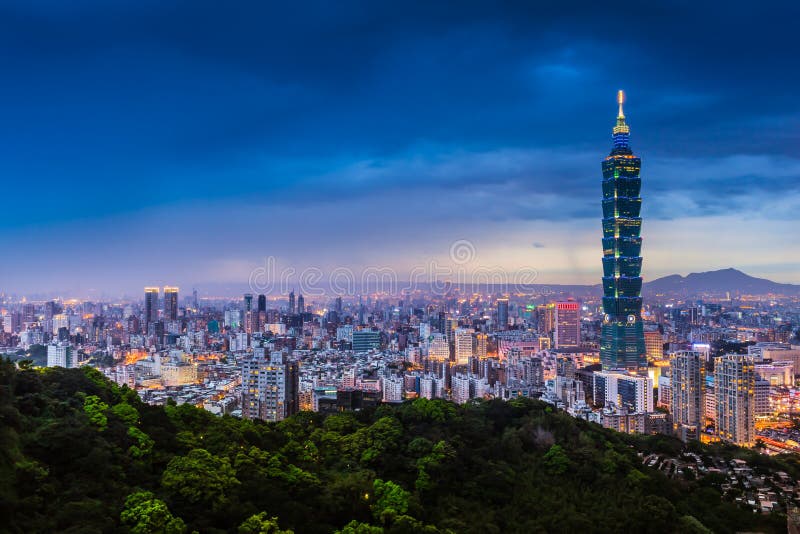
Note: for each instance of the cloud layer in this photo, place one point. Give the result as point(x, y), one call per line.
point(146, 142)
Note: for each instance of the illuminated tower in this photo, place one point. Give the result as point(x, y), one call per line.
point(502, 314)
point(622, 335)
point(171, 303)
point(151, 295)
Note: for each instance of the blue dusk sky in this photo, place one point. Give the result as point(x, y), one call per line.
point(157, 142)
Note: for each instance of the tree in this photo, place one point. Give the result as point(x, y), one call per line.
point(390, 500)
point(556, 460)
point(262, 524)
point(126, 413)
point(199, 478)
point(145, 514)
point(356, 527)
point(95, 409)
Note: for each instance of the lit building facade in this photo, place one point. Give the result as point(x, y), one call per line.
point(687, 381)
point(622, 333)
point(654, 345)
point(734, 385)
point(463, 338)
point(502, 314)
point(150, 305)
point(567, 325)
point(632, 393)
point(61, 355)
point(270, 386)
point(170, 303)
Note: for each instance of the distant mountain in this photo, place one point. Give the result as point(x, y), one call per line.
point(719, 282)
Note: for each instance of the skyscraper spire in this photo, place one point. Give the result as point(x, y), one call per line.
point(621, 131)
point(622, 333)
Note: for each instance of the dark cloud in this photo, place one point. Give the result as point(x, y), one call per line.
point(483, 110)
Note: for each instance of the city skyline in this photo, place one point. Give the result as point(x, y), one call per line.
point(187, 157)
point(380, 268)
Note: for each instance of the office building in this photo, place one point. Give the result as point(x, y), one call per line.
point(170, 303)
point(633, 393)
point(463, 345)
point(438, 349)
point(151, 295)
point(622, 333)
point(654, 345)
point(366, 340)
point(481, 344)
point(567, 325)
point(61, 355)
point(502, 314)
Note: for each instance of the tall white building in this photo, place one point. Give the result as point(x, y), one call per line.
point(431, 387)
point(61, 355)
point(439, 349)
point(459, 389)
point(734, 388)
point(634, 393)
point(424, 331)
point(463, 342)
point(392, 387)
point(687, 381)
point(270, 386)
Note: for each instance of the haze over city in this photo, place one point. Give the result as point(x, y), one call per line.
point(153, 143)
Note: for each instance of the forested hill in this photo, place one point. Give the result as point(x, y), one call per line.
point(79, 454)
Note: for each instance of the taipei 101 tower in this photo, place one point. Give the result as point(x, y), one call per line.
point(622, 334)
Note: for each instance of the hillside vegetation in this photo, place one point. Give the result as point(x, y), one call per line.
point(80, 454)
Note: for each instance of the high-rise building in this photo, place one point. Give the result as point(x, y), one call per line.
point(634, 393)
point(734, 388)
point(262, 303)
point(654, 345)
point(291, 302)
point(270, 388)
point(463, 345)
point(622, 333)
point(439, 349)
point(50, 309)
point(687, 384)
point(61, 355)
point(151, 304)
point(60, 320)
point(481, 342)
point(502, 314)
point(248, 313)
point(301, 304)
point(547, 319)
point(392, 389)
point(170, 303)
point(365, 340)
point(567, 325)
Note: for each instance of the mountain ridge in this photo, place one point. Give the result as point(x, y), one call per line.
point(728, 280)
